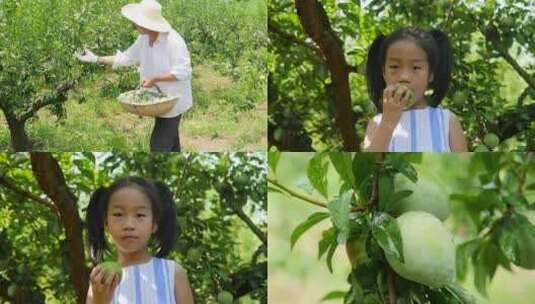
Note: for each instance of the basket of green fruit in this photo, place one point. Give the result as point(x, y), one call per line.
point(145, 102)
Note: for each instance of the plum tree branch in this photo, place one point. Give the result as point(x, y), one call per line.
point(247, 220)
point(9, 184)
point(316, 24)
point(296, 194)
point(275, 29)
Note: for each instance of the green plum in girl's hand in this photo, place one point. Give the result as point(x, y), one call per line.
point(110, 268)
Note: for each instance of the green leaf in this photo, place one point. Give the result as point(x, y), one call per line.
point(363, 167)
point(317, 173)
point(516, 200)
point(328, 238)
point(330, 255)
point(273, 160)
point(462, 295)
point(403, 167)
point(530, 186)
point(306, 225)
point(339, 209)
point(386, 188)
point(342, 164)
point(386, 232)
point(396, 197)
point(463, 254)
point(333, 295)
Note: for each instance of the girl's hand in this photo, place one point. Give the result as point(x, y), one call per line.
point(393, 104)
point(147, 82)
point(102, 290)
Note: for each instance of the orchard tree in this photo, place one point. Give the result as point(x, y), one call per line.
point(317, 89)
point(221, 216)
point(389, 218)
point(37, 67)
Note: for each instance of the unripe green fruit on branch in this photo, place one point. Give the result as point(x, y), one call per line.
point(225, 297)
point(109, 268)
point(491, 140)
point(428, 250)
point(426, 196)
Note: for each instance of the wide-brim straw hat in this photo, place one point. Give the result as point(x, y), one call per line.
point(147, 14)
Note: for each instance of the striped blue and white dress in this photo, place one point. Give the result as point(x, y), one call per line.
point(420, 130)
point(148, 283)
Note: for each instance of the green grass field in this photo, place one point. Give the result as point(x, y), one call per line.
point(100, 124)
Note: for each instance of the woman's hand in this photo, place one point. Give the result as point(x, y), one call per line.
point(147, 82)
point(102, 290)
point(86, 56)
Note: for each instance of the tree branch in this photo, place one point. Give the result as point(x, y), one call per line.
point(59, 94)
point(257, 231)
point(4, 181)
point(275, 29)
point(298, 195)
point(185, 171)
point(316, 24)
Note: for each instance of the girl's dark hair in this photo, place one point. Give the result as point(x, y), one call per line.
point(436, 45)
point(163, 210)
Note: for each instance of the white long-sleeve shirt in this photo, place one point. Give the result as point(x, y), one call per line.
point(169, 54)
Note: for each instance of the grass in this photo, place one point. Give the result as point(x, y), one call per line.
point(100, 124)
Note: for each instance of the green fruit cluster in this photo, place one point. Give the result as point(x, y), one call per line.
point(428, 248)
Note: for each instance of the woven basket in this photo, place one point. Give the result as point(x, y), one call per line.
point(159, 107)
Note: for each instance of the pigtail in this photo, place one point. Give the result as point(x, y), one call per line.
point(96, 212)
point(166, 232)
point(444, 65)
point(374, 72)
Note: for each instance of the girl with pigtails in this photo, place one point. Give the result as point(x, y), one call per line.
point(133, 211)
point(408, 73)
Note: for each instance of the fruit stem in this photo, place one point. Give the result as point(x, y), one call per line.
point(298, 195)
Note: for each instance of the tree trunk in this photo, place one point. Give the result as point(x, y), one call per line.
point(316, 24)
point(51, 179)
point(19, 138)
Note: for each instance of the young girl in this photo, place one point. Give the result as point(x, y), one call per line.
point(411, 64)
point(132, 211)
point(163, 60)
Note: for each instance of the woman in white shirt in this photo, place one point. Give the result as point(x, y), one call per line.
point(163, 60)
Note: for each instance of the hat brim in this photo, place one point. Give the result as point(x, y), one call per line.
point(131, 13)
